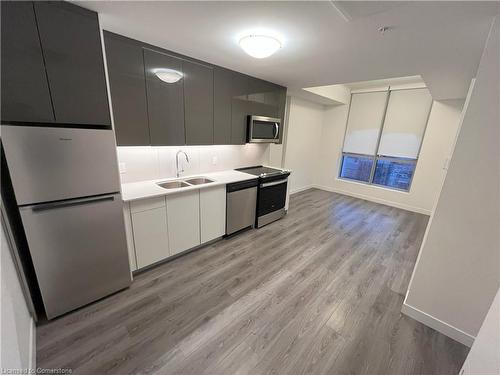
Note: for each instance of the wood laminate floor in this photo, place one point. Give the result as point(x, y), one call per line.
point(318, 292)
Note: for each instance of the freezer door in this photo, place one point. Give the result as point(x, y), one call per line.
point(79, 250)
point(48, 164)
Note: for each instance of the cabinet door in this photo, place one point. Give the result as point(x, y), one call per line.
point(150, 236)
point(199, 103)
point(212, 213)
point(239, 108)
point(183, 214)
point(222, 106)
point(128, 90)
point(263, 97)
point(71, 44)
point(165, 100)
point(25, 91)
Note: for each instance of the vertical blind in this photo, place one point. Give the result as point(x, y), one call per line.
point(405, 121)
point(366, 114)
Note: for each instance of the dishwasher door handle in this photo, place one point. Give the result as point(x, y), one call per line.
point(267, 184)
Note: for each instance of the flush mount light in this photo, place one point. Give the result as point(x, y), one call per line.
point(168, 75)
point(259, 46)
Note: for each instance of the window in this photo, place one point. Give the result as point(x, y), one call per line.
point(383, 136)
point(356, 167)
point(394, 173)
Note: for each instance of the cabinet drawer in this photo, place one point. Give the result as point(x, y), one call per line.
point(147, 204)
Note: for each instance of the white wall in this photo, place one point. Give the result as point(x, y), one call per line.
point(429, 174)
point(458, 270)
point(17, 329)
point(147, 163)
point(484, 356)
point(303, 135)
point(315, 157)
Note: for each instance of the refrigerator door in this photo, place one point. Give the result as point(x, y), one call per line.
point(49, 164)
point(79, 250)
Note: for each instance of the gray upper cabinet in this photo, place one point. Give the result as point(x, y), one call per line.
point(165, 100)
point(128, 90)
point(239, 108)
point(207, 105)
point(222, 106)
point(265, 98)
point(25, 91)
point(198, 103)
point(71, 44)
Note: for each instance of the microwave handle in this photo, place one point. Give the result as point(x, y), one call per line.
point(277, 130)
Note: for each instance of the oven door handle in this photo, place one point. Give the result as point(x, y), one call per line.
point(267, 184)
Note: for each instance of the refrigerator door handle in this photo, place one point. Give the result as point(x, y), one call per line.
point(72, 202)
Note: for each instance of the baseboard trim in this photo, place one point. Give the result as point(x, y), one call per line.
point(295, 191)
point(372, 199)
point(440, 326)
point(32, 347)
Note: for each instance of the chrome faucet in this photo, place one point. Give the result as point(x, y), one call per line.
point(177, 161)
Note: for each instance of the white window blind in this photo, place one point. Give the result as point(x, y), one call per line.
point(365, 120)
point(405, 122)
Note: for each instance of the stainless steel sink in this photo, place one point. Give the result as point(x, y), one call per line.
point(173, 184)
point(199, 181)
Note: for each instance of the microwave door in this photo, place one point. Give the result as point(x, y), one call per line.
point(264, 130)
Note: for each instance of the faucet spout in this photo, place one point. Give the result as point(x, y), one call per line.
point(179, 171)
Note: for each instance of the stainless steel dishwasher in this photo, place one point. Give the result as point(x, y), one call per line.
point(241, 204)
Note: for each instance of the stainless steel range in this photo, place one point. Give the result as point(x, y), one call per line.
point(271, 195)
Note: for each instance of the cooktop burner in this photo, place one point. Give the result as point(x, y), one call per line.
point(261, 171)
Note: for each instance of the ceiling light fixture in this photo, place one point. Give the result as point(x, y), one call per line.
point(259, 46)
point(168, 75)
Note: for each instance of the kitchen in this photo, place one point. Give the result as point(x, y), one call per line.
point(167, 214)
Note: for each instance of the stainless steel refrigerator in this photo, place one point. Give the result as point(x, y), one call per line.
point(67, 188)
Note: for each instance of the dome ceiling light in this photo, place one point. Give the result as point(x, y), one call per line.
point(259, 46)
point(168, 75)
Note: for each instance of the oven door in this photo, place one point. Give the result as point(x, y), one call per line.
point(263, 129)
point(271, 201)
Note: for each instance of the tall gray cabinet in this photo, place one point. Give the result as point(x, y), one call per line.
point(128, 85)
point(25, 90)
point(199, 103)
point(165, 100)
point(52, 65)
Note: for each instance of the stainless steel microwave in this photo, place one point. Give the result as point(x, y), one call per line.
point(263, 129)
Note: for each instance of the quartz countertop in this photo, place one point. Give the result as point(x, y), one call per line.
point(149, 188)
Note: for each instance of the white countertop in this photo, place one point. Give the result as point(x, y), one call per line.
point(148, 189)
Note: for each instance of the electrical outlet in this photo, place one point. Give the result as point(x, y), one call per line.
point(122, 167)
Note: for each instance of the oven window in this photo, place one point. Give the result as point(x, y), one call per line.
point(263, 129)
point(271, 198)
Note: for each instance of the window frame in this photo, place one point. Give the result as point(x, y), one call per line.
point(378, 156)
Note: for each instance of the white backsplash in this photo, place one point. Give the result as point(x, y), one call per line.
point(148, 163)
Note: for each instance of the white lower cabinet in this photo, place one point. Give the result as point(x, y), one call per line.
point(183, 218)
point(150, 230)
point(212, 213)
point(164, 226)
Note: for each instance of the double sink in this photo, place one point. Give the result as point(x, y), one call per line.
point(176, 184)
